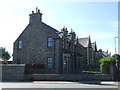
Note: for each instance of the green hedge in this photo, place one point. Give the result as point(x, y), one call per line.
point(105, 64)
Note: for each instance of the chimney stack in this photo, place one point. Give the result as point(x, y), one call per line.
point(35, 17)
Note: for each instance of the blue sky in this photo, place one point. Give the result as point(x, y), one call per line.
point(97, 19)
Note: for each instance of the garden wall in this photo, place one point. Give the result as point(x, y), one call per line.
point(12, 71)
point(17, 72)
point(68, 77)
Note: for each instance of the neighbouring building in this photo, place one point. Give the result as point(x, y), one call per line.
point(56, 51)
point(1, 60)
point(100, 54)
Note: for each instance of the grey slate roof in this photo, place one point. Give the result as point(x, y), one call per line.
point(51, 28)
point(84, 41)
point(105, 54)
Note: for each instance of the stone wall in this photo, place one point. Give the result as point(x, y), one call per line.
point(12, 71)
point(58, 56)
point(68, 77)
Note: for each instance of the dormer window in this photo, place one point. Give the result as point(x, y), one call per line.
point(50, 41)
point(20, 44)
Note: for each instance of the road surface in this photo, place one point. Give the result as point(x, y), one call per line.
point(59, 84)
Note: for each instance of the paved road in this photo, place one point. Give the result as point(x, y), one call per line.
point(59, 84)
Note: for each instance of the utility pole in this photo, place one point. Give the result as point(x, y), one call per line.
point(115, 44)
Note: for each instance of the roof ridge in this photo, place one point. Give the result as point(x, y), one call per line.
point(84, 38)
point(50, 27)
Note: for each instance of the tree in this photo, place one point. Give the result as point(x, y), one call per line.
point(5, 54)
point(105, 64)
point(117, 57)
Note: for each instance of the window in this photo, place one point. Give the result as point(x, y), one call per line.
point(65, 63)
point(50, 41)
point(50, 63)
point(20, 44)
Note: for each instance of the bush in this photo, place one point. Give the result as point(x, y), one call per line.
point(5, 62)
point(105, 64)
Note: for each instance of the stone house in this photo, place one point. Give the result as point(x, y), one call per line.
point(102, 54)
point(74, 54)
point(38, 44)
point(94, 55)
point(91, 49)
point(56, 51)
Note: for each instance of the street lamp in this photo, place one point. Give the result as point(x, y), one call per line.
point(115, 50)
point(115, 44)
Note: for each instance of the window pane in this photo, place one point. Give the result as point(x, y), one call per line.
point(50, 63)
point(65, 63)
point(50, 44)
point(50, 41)
point(20, 44)
point(50, 60)
point(50, 66)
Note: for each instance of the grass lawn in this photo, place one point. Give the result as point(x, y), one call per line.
point(91, 72)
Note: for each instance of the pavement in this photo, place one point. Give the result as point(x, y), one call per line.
point(60, 84)
point(84, 82)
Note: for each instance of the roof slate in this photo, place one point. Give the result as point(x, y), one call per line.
point(84, 41)
point(50, 27)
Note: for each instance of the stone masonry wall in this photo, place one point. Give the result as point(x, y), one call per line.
point(58, 56)
point(68, 77)
point(35, 49)
point(12, 71)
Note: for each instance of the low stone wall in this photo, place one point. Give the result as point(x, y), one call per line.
point(68, 77)
point(17, 72)
point(12, 71)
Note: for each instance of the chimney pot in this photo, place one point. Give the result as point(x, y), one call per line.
point(38, 11)
point(32, 12)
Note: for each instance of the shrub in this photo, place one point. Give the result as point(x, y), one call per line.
point(105, 64)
